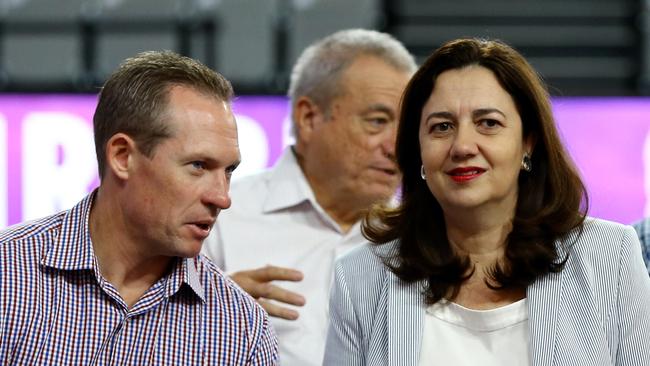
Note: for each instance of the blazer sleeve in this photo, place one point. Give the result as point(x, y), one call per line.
point(344, 336)
point(633, 304)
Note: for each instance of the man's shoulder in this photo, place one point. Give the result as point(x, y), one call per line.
point(223, 291)
point(230, 307)
point(22, 248)
point(32, 231)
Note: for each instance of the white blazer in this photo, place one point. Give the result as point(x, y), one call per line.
point(596, 311)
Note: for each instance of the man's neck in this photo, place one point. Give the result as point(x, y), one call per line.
point(345, 209)
point(121, 261)
point(345, 217)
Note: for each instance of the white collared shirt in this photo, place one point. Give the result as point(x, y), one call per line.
point(275, 219)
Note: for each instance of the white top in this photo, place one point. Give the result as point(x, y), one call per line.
point(274, 219)
point(455, 335)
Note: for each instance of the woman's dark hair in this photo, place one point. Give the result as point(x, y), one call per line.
point(551, 198)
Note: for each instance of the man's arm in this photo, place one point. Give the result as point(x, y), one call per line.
point(266, 349)
point(259, 282)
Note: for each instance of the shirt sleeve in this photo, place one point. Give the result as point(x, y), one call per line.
point(266, 349)
point(343, 345)
point(633, 305)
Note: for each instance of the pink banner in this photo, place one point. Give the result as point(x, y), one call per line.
point(47, 158)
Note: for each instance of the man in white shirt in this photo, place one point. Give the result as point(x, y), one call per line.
point(289, 223)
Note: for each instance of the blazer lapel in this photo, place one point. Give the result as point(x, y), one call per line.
point(544, 296)
point(405, 322)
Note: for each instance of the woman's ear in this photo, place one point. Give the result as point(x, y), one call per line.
point(529, 144)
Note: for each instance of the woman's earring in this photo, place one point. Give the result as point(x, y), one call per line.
point(526, 163)
point(424, 177)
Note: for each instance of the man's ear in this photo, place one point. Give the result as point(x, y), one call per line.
point(306, 116)
point(119, 155)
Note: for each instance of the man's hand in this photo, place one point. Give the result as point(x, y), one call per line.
point(258, 283)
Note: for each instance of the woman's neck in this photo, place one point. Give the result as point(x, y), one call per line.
point(482, 238)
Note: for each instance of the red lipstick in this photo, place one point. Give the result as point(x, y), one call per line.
point(465, 174)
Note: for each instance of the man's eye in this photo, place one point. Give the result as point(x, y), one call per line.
point(230, 170)
point(198, 165)
point(378, 121)
point(376, 124)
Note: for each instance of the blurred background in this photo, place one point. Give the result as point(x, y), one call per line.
point(582, 47)
point(55, 54)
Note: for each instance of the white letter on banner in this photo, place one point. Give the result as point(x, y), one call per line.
point(253, 146)
point(288, 134)
point(58, 162)
point(4, 173)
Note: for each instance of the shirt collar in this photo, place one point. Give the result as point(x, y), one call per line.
point(288, 185)
point(73, 249)
point(185, 272)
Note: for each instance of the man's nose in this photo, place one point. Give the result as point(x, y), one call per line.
point(388, 142)
point(217, 194)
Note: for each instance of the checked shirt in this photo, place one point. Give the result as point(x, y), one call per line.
point(57, 309)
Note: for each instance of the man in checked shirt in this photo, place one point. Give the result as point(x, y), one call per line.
point(118, 279)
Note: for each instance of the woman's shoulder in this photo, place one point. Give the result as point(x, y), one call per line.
point(364, 268)
point(600, 243)
point(368, 257)
point(605, 226)
point(600, 233)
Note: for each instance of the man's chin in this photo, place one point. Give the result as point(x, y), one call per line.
point(382, 196)
point(190, 250)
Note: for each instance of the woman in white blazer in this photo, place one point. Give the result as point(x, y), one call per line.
point(489, 259)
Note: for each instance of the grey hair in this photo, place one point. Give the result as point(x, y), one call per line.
point(316, 73)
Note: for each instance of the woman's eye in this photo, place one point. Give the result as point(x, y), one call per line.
point(489, 126)
point(441, 127)
point(490, 123)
